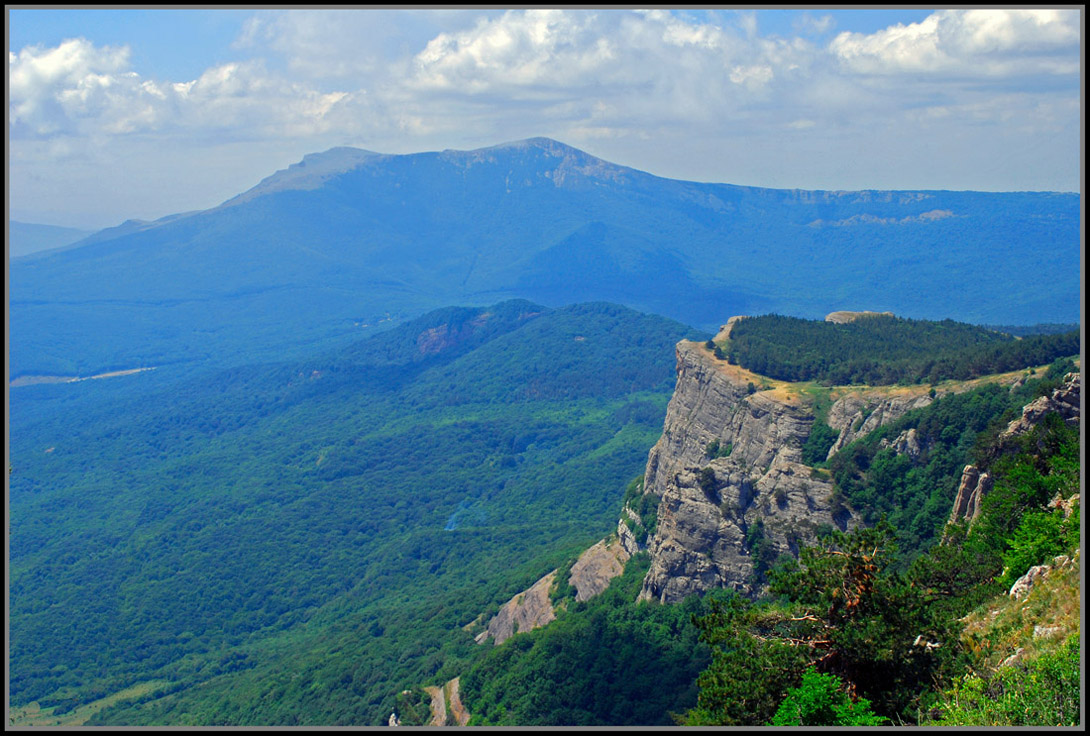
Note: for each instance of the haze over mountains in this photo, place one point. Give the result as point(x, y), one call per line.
point(322, 252)
point(25, 238)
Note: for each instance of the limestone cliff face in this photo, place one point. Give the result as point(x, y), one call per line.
point(595, 568)
point(527, 610)
point(972, 489)
point(708, 504)
point(590, 574)
point(858, 414)
point(711, 500)
point(1065, 401)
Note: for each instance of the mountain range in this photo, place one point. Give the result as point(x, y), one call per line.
point(25, 238)
point(322, 252)
point(353, 414)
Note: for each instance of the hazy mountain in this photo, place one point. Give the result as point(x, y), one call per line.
point(321, 252)
point(27, 237)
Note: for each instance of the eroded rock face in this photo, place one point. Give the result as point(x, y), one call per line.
point(906, 443)
point(858, 414)
point(844, 317)
point(709, 504)
point(527, 610)
point(626, 537)
point(591, 573)
point(972, 489)
point(1064, 400)
point(975, 485)
point(1024, 584)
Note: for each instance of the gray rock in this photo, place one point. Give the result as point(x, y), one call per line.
point(1045, 632)
point(1024, 584)
point(972, 489)
point(860, 413)
point(527, 610)
point(700, 542)
point(1064, 400)
point(591, 573)
point(1013, 659)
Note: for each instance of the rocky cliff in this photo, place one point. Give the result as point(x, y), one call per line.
point(525, 611)
point(729, 476)
point(733, 492)
point(725, 490)
point(589, 575)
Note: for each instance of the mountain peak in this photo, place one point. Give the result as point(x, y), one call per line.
point(310, 173)
point(539, 143)
point(561, 163)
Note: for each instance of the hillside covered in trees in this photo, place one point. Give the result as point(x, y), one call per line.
point(883, 349)
point(302, 542)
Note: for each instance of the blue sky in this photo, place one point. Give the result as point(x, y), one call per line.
point(130, 113)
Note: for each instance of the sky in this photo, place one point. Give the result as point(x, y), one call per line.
point(141, 113)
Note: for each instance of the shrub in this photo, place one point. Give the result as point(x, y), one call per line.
point(821, 701)
point(1039, 537)
point(705, 478)
point(1044, 692)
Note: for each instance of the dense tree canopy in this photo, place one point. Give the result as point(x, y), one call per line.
point(882, 349)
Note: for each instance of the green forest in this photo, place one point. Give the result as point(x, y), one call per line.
point(884, 350)
point(281, 533)
point(300, 543)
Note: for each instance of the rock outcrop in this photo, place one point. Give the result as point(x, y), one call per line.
point(972, 489)
point(1064, 401)
point(1023, 585)
point(975, 484)
point(527, 610)
point(906, 443)
point(860, 413)
point(591, 573)
point(446, 706)
point(843, 317)
point(708, 504)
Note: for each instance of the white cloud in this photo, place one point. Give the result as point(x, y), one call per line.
point(701, 95)
point(79, 89)
point(49, 89)
point(973, 43)
point(808, 24)
point(521, 50)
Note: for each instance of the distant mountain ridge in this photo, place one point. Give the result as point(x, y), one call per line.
point(348, 236)
point(25, 238)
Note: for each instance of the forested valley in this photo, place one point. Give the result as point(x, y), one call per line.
point(313, 542)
